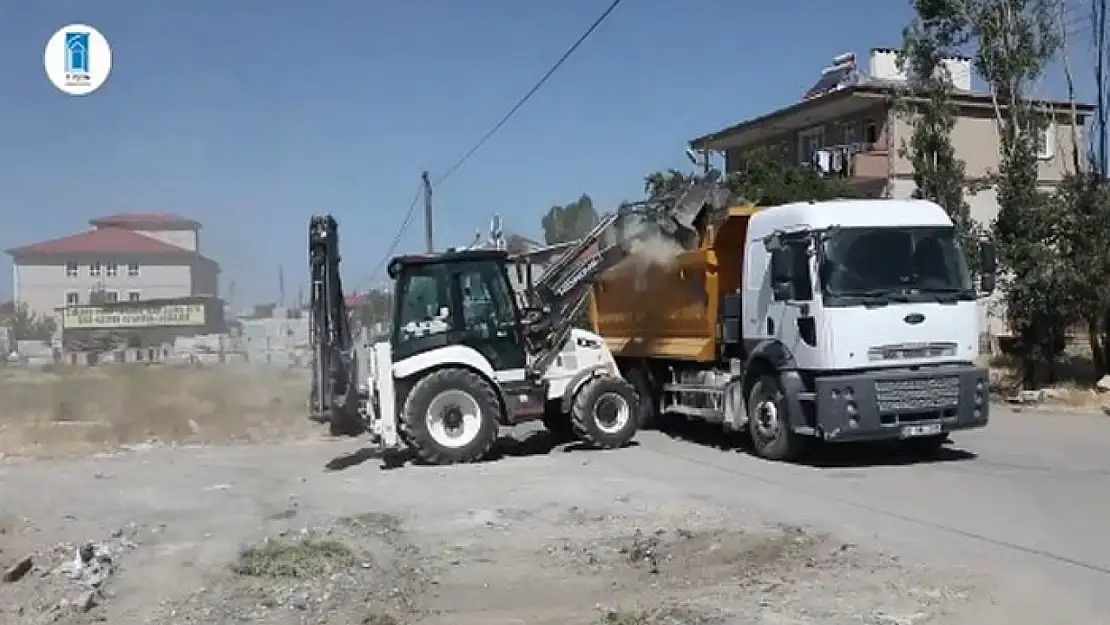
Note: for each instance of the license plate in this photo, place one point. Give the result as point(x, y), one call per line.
point(925, 429)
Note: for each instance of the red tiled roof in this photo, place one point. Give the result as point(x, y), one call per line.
point(141, 220)
point(101, 241)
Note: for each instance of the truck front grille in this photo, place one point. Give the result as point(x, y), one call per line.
point(917, 394)
point(909, 351)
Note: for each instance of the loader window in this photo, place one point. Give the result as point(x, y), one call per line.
point(487, 304)
point(424, 303)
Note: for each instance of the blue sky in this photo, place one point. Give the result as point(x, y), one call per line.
point(249, 116)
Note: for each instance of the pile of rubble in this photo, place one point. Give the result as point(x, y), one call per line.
point(65, 580)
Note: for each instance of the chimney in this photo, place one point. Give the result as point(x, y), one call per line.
point(884, 65)
point(959, 69)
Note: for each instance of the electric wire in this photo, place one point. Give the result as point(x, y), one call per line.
point(492, 131)
point(531, 92)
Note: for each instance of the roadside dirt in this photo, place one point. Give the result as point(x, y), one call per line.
point(260, 534)
point(74, 411)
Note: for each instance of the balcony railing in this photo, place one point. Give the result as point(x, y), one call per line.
point(854, 161)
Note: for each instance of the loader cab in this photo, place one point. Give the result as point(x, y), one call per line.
point(456, 298)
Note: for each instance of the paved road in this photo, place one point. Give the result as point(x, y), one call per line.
point(1027, 500)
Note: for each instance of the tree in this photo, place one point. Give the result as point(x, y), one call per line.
point(26, 325)
point(761, 177)
point(1014, 41)
point(928, 106)
point(567, 223)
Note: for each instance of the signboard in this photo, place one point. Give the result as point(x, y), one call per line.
point(137, 316)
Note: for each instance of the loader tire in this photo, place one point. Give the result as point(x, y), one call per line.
point(604, 412)
point(451, 416)
point(558, 422)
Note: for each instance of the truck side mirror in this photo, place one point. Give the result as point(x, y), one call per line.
point(988, 262)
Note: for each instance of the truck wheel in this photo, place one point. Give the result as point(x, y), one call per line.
point(604, 412)
point(769, 425)
point(451, 416)
point(641, 383)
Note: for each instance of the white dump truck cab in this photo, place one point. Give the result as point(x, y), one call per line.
point(864, 314)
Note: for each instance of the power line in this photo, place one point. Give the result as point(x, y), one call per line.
point(554, 68)
point(400, 233)
point(492, 131)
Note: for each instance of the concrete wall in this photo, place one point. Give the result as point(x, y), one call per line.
point(43, 287)
point(976, 140)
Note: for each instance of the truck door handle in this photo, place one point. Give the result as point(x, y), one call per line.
point(770, 326)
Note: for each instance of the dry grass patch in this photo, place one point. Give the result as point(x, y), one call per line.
point(79, 410)
point(309, 558)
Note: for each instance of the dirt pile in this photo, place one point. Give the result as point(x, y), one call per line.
point(64, 583)
point(355, 570)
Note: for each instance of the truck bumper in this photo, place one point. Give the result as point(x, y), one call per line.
point(885, 405)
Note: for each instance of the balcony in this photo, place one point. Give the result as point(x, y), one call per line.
point(856, 162)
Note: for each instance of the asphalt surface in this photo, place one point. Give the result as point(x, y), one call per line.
point(1026, 500)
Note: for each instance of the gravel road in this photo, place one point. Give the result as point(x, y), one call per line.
point(1008, 526)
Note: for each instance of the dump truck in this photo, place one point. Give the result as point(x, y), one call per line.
point(834, 321)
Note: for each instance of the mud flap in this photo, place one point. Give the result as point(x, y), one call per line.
point(793, 387)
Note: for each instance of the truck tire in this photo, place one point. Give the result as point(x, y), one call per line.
point(769, 425)
point(604, 412)
point(451, 416)
point(648, 398)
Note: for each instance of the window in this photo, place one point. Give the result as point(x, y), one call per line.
point(487, 304)
point(94, 269)
point(133, 269)
point(134, 296)
point(73, 298)
point(791, 265)
point(424, 303)
point(71, 270)
point(852, 134)
point(1046, 141)
point(871, 133)
point(111, 297)
point(112, 270)
point(809, 141)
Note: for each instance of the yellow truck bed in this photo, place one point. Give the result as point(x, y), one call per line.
point(670, 311)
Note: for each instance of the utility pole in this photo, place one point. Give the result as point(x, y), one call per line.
point(429, 242)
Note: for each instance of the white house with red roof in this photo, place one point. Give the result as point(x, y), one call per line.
point(131, 257)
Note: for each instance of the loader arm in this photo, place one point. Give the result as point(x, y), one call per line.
point(335, 394)
point(561, 293)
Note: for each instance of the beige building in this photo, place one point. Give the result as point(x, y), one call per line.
point(847, 125)
point(128, 257)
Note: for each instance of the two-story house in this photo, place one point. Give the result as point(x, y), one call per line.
point(848, 125)
point(128, 257)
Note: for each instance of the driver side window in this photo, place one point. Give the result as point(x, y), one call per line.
point(790, 265)
point(487, 304)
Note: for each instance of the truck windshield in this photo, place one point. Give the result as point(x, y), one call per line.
point(896, 263)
